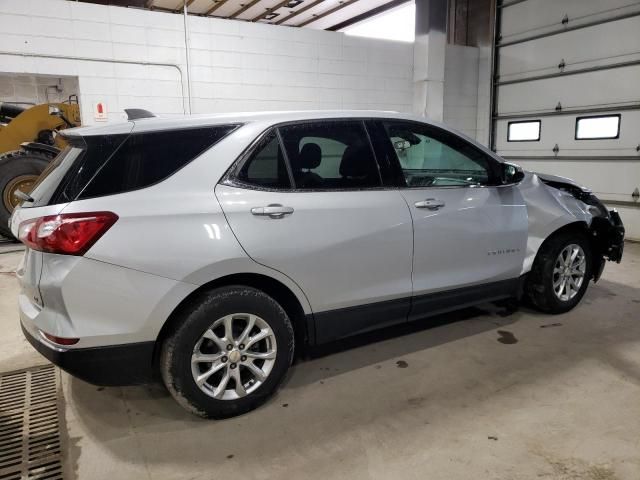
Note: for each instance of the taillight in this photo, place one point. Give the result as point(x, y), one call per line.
point(67, 233)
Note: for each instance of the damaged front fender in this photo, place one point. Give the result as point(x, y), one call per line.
point(556, 202)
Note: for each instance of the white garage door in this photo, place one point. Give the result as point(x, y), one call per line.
point(567, 94)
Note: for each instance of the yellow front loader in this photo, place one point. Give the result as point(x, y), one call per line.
point(28, 142)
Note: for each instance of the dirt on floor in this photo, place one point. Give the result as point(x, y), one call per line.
point(485, 393)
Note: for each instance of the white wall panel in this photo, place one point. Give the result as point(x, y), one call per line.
point(235, 65)
point(533, 17)
point(461, 89)
point(605, 87)
point(604, 44)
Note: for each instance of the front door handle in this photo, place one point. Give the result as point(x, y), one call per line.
point(272, 211)
point(430, 204)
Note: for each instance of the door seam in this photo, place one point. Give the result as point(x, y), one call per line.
point(215, 195)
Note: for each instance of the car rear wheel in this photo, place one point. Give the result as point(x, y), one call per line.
point(230, 352)
point(560, 273)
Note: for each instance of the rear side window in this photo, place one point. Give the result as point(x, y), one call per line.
point(266, 167)
point(97, 150)
point(145, 159)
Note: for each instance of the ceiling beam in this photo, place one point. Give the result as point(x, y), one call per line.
point(270, 10)
point(327, 12)
point(299, 11)
point(185, 3)
point(216, 5)
point(364, 16)
point(244, 8)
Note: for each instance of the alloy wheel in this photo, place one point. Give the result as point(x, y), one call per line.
point(569, 272)
point(234, 356)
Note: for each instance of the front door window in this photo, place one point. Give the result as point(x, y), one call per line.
point(427, 161)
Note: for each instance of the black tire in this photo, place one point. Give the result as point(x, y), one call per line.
point(19, 163)
point(194, 320)
point(539, 287)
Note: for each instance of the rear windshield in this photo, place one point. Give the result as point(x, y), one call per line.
point(101, 165)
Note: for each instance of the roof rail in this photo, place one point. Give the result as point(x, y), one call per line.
point(138, 113)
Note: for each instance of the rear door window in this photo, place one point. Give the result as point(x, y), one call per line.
point(330, 155)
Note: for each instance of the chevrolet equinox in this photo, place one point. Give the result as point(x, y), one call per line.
point(206, 248)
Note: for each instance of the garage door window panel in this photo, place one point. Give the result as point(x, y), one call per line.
point(599, 127)
point(433, 158)
point(330, 155)
point(526, 131)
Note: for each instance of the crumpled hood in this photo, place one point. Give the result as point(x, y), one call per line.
point(558, 179)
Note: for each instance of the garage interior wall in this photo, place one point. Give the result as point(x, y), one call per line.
point(456, 34)
point(234, 66)
point(35, 89)
point(557, 61)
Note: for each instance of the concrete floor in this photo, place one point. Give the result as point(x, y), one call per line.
point(481, 394)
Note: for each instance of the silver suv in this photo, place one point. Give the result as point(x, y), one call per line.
point(208, 248)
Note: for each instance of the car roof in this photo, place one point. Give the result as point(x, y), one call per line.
point(198, 120)
point(265, 119)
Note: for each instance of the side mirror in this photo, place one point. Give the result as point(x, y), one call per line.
point(511, 174)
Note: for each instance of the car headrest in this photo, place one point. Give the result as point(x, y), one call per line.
point(310, 156)
point(354, 162)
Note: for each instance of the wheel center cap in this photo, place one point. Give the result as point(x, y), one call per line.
point(234, 356)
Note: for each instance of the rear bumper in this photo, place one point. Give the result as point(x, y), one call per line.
point(116, 365)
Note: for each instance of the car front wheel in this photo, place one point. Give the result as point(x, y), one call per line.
point(229, 353)
point(561, 273)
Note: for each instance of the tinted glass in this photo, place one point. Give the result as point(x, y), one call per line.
point(145, 159)
point(97, 151)
point(266, 167)
point(431, 158)
point(52, 176)
point(330, 155)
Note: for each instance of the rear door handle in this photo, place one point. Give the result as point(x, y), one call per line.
point(430, 204)
point(272, 211)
